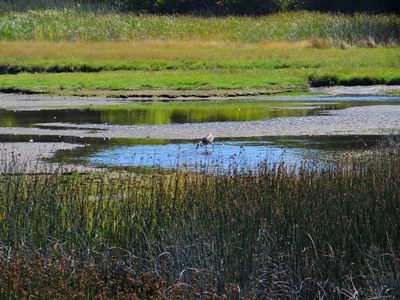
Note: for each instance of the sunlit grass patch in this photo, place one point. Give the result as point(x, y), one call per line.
point(229, 79)
point(176, 79)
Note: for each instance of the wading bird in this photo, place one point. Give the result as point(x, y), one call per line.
point(205, 141)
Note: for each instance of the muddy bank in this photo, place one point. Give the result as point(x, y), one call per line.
point(356, 90)
point(18, 101)
point(29, 158)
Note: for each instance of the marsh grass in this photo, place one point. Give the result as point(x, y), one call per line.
point(278, 233)
point(72, 24)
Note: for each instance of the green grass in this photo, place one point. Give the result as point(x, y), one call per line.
point(180, 79)
point(128, 82)
point(274, 233)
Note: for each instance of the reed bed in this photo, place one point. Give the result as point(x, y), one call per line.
point(74, 24)
point(277, 232)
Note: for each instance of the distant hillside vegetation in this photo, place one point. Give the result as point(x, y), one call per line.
point(211, 7)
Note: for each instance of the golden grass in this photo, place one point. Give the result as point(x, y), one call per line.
point(152, 49)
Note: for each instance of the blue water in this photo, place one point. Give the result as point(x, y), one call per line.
point(224, 156)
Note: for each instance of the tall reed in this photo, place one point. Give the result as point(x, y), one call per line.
point(327, 232)
point(75, 24)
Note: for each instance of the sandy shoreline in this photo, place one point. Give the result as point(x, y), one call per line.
point(29, 157)
point(366, 120)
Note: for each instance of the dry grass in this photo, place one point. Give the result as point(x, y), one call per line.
point(151, 49)
point(320, 43)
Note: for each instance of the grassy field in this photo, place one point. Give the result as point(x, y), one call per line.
point(87, 53)
point(132, 68)
point(274, 233)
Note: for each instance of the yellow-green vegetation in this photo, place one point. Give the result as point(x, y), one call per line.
point(274, 233)
point(126, 68)
point(124, 54)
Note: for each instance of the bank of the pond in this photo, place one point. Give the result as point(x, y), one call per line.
point(29, 157)
point(26, 101)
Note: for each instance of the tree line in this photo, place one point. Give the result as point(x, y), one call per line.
point(216, 7)
point(257, 7)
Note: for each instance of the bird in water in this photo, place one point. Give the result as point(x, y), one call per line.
point(205, 141)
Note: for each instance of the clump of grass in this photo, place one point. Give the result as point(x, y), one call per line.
point(274, 233)
point(368, 43)
point(343, 45)
point(319, 43)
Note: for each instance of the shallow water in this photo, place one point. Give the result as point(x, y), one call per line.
point(223, 156)
point(249, 109)
point(226, 155)
point(243, 153)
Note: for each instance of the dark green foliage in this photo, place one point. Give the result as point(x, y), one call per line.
point(346, 6)
point(332, 80)
point(9, 69)
point(258, 7)
point(211, 7)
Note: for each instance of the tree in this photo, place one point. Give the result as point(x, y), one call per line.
point(256, 7)
point(345, 6)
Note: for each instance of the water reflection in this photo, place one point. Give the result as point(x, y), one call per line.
point(186, 112)
point(225, 156)
point(243, 154)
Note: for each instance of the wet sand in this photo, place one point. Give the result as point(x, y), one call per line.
point(29, 157)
